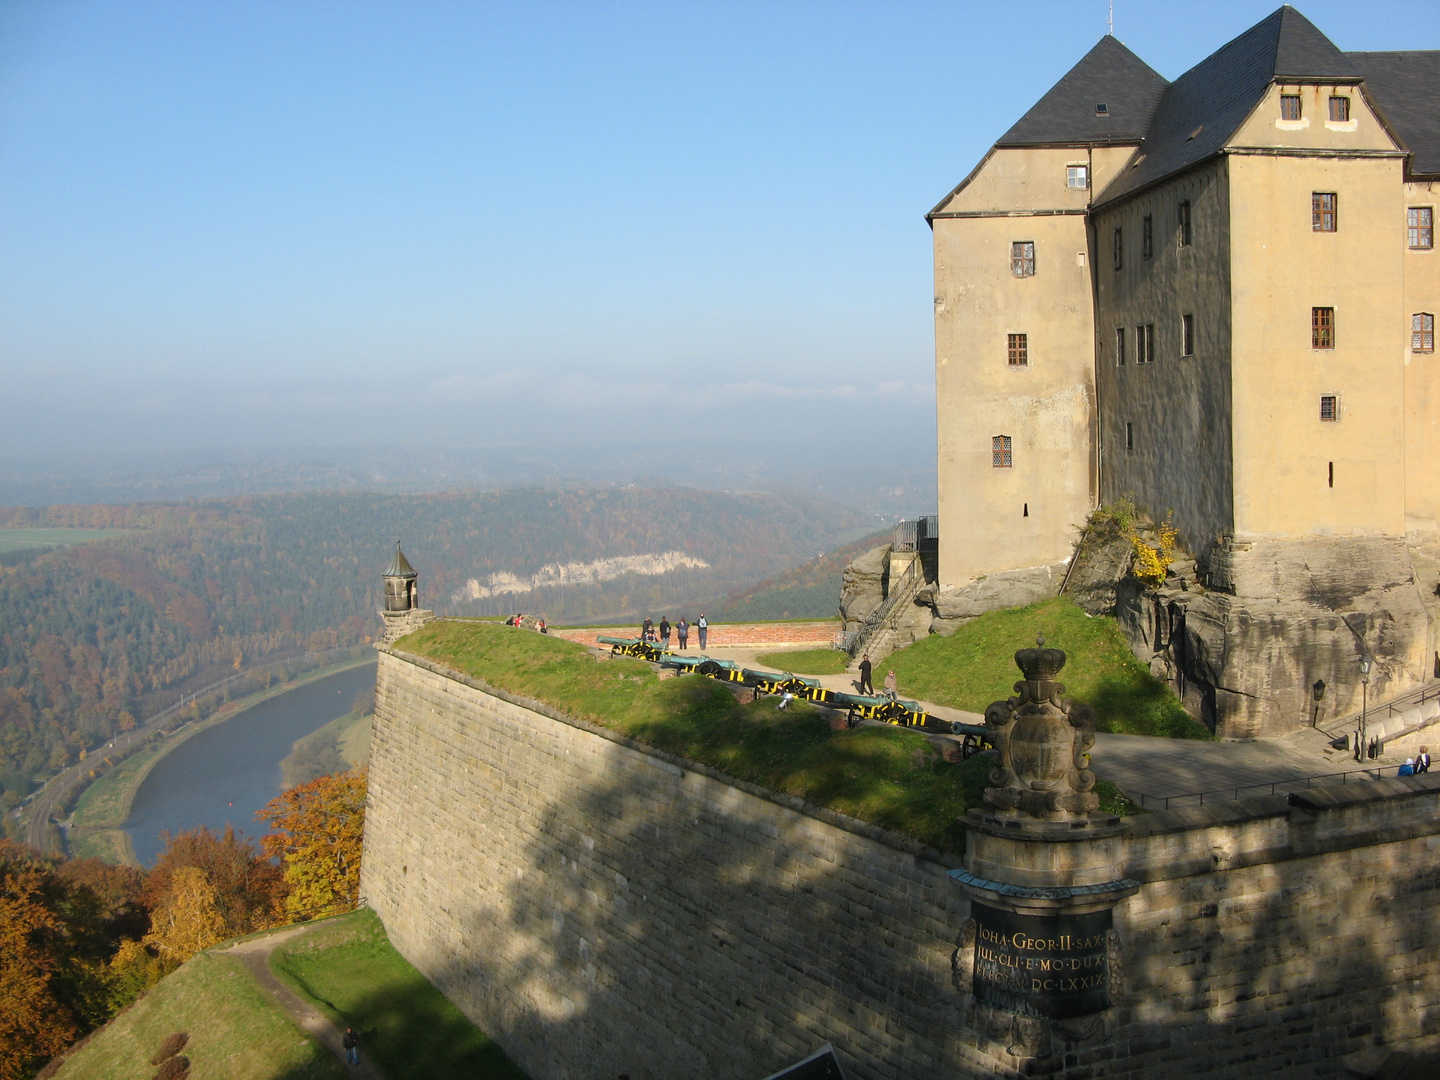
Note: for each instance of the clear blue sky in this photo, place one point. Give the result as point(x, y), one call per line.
point(260, 223)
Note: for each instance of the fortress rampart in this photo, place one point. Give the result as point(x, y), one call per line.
point(601, 908)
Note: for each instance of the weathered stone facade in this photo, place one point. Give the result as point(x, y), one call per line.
point(600, 908)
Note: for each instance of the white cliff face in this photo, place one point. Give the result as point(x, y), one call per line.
point(579, 573)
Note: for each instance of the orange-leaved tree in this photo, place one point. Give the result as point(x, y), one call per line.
point(34, 1025)
point(188, 920)
point(319, 829)
point(247, 885)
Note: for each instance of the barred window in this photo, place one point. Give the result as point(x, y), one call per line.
point(1022, 258)
point(1187, 335)
point(1422, 227)
point(1184, 210)
point(1339, 109)
point(1289, 106)
point(1119, 249)
point(1422, 332)
point(1329, 407)
point(1322, 328)
point(1120, 346)
point(1147, 237)
point(1017, 348)
point(1000, 451)
point(1323, 211)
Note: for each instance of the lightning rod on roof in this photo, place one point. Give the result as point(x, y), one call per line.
point(1110, 20)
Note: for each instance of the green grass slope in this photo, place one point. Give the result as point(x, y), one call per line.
point(977, 666)
point(888, 776)
point(237, 1031)
point(806, 661)
point(348, 969)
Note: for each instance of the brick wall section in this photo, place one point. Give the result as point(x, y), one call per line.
point(789, 633)
point(600, 908)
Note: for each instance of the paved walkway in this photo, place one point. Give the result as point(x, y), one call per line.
point(254, 953)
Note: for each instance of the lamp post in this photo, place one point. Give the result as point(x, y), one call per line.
point(1319, 691)
point(1364, 697)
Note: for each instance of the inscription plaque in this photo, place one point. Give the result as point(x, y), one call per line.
point(1042, 965)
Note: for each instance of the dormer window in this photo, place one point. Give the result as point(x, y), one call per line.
point(1101, 109)
point(1339, 109)
point(1077, 176)
point(1289, 106)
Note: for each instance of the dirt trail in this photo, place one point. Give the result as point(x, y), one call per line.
point(255, 955)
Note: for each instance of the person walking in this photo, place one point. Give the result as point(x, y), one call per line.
point(1422, 763)
point(664, 631)
point(682, 631)
point(866, 686)
point(702, 626)
point(351, 1042)
point(890, 683)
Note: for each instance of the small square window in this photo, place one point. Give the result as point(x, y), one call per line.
point(1329, 408)
point(1120, 346)
point(1289, 106)
point(1129, 435)
point(1184, 210)
point(1147, 237)
point(1322, 328)
point(1187, 335)
point(1077, 176)
point(1324, 211)
point(1017, 347)
point(1119, 249)
point(1422, 227)
point(1339, 109)
point(1000, 452)
point(1422, 332)
point(1102, 109)
point(1022, 258)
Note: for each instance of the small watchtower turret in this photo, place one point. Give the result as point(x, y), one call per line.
point(400, 591)
point(402, 612)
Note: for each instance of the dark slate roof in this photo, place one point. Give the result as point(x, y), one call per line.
point(1406, 86)
point(1110, 75)
point(399, 565)
point(1202, 109)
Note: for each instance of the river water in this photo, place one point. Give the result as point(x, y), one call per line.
point(224, 774)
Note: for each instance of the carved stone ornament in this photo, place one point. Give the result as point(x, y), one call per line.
point(1043, 740)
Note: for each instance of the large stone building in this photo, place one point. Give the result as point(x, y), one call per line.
point(1217, 295)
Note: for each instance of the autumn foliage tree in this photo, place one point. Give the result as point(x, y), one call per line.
point(319, 827)
point(247, 886)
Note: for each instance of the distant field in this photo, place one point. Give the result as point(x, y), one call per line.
point(341, 744)
point(24, 539)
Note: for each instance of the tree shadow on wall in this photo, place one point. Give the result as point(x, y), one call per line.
point(658, 926)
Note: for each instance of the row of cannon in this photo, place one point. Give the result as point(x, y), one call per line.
point(889, 710)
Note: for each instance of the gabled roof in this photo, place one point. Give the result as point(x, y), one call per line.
point(1109, 75)
point(1406, 87)
point(399, 565)
point(1202, 110)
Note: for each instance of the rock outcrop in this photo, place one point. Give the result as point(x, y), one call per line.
point(954, 607)
point(1244, 650)
point(862, 587)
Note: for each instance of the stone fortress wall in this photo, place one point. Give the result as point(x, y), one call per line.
point(600, 908)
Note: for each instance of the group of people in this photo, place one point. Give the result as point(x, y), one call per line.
point(661, 634)
point(867, 687)
point(518, 619)
point(1415, 766)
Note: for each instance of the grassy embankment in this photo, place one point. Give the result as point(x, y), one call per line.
point(105, 805)
point(976, 666)
point(341, 744)
point(888, 776)
point(237, 1031)
point(347, 969)
point(807, 661)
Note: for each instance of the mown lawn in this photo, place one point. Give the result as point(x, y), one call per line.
point(807, 661)
point(347, 968)
point(237, 1031)
point(977, 666)
point(888, 776)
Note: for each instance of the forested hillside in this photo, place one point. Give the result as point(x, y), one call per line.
point(94, 636)
point(808, 591)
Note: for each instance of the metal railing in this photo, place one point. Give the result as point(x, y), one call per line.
point(1341, 725)
point(901, 592)
point(1271, 787)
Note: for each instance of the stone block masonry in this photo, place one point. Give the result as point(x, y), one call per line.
point(600, 908)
